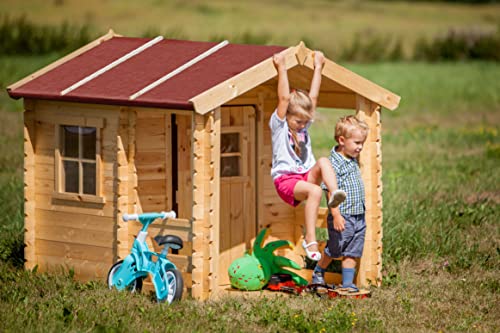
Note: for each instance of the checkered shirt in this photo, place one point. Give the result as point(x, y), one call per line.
point(348, 179)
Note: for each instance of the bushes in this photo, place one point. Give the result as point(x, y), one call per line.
point(19, 36)
point(11, 221)
point(460, 45)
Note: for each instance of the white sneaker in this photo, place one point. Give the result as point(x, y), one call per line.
point(318, 278)
point(336, 198)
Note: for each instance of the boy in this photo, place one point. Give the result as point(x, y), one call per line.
point(346, 225)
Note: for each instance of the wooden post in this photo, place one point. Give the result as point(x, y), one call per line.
point(370, 268)
point(123, 183)
point(206, 190)
point(184, 162)
point(132, 169)
point(29, 187)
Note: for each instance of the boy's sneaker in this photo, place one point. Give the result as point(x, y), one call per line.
point(336, 198)
point(318, 278)
point(349, 288)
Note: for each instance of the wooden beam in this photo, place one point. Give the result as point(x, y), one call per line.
point(29, 189)
point(61, 61)
point(206, 191)
point(370, 267)
point(357, 84)
point(132, 169)
point(122, 246)
point(296, 55)
point(302, 53)
point(168, 160)
point(241, 83)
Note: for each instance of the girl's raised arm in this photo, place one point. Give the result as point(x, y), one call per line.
point(283, 86)
point(319, 61)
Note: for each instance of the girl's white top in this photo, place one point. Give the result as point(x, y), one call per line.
point(285, 160)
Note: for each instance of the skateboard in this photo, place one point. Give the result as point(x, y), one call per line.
point(284, 283)
point(332, 291)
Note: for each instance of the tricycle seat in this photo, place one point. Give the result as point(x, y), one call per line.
point(171, 241)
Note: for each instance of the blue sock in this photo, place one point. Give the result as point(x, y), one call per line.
point(318, 269)
point(348, 276)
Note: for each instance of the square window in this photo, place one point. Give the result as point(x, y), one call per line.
point(70, 176)
point(79, 160)
point(89, 178)
point(88, 142)
point(70, 141)
point(230, 143)
point(230, 166)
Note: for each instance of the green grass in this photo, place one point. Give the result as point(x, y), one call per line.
point(329, 25)
point(441, 256)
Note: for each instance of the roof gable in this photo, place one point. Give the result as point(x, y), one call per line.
point(200, 75)
point(296, 58)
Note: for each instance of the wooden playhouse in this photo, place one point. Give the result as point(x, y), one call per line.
point(130, 125)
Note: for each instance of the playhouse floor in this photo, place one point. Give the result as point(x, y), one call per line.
point(226, 290)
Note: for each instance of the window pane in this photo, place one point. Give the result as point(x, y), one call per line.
point(230, 143)
point(89, 178)
point(70, 141)
point(70, 176)
point(88, 142)
point(230, 166)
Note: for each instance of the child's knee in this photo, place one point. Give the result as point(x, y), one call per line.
point(323, 161)
point(315, 193)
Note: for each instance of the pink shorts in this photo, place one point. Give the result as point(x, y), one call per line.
point(286, 184)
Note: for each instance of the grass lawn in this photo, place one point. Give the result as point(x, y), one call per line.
point(441, 151)
point(328, 25)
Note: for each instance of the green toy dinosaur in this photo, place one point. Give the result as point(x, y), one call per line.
point(254, 269)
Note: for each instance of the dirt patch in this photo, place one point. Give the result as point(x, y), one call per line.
point(484, 196)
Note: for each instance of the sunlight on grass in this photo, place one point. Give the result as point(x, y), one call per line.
point(441, 254)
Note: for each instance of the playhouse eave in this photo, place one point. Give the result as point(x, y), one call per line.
point(110, 34)
point(298, 55)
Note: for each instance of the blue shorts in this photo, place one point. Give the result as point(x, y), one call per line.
point(350, 242)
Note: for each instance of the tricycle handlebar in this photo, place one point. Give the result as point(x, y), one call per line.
point(162, 215)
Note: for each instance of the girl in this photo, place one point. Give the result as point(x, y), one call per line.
point(295, 172)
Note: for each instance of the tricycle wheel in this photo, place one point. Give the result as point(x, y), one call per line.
point(174, 284)
point(134, 286)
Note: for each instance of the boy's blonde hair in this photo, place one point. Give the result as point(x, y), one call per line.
point(300, 104)
point(346, 125)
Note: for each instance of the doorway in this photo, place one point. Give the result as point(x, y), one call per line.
point(237, 185)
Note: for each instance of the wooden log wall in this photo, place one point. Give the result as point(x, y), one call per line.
point(68, 232)
point(29, 186)
point(124, 180)
point(371, 167)
point(206, 189)
point(153, 168)
point(150, 179)
point(184, 166)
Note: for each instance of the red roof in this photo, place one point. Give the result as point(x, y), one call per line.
point(116, 85)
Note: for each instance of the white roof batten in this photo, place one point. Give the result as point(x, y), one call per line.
point(112, 65)
point(179, 69)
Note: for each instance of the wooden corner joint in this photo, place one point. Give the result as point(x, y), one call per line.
point(301, 53)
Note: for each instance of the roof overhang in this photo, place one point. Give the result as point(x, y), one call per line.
point(298, 55)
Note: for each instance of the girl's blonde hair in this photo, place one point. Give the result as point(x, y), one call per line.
point(346, 125)
point(300, 104)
